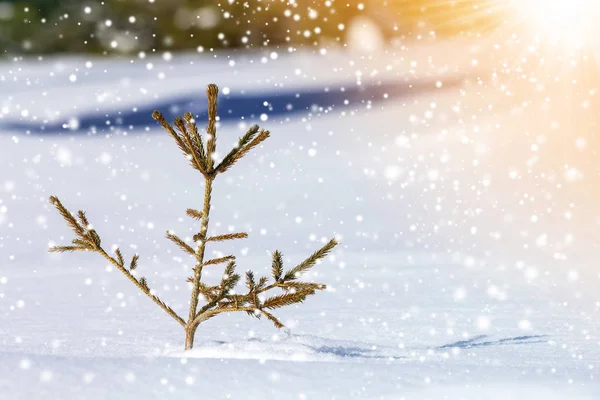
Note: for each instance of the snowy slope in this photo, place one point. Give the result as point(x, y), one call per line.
point(462, 273)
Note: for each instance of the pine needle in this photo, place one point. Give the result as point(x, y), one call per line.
point(262, 282)
point(180, 243)
point(242, 142)
point(134, 262)
point(194, 214)
point(69, 219)
point(277, 266)
point(303, 286)
point(209, 292)
point(82, 243)
point(64, 249)
point(229, 270)
point(286, 299)
point(197, 159)
point(250, 283)
point(83, 219)
point(196, 137)
point(212, 92)
point(178, 139)
point(310, 261)
point(94, 238)
point(229, 236)
point(226, 164)
point(119, 257)
point(88, 239)
point(230, 278)
point(272, 318)
point(218, 260)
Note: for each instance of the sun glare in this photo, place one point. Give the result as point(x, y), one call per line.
point(570, 22)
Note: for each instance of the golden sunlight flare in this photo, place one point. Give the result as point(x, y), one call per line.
point(573, 23)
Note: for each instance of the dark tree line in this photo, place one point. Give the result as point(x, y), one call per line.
point(131, 26)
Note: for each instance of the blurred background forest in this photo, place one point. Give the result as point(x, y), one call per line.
point(130, 26)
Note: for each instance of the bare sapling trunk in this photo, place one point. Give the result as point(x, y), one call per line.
point(190, 333)
point(219, 298)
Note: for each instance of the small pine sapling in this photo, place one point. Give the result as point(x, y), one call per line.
point(220, 298)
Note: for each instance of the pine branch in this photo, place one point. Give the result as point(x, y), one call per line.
point(230, 278)
point(83, 243)
point(65, 249)
point(197, 160)
point(142, 284)
point(226, 164)
point(234, 301)
point(294, 286)
point(272, 318)
point(310, 261)
point(302, 286)
point(262, 282)
point(286, 299)
point(249, 303)
point(212, 92)
point(242, 142)
point(168, 309)
point(214, 312)
point(180, 243)
point(218, 260)
point(91, 239)
point(228, 282)
point(228, 236)
point(207, 291)
point(196, 137)
point(178, 139)
point(253, 309)
point(69, 219)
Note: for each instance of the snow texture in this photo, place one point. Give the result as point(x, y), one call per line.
point(461, 274)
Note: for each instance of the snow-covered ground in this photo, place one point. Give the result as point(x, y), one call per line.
point(467, 213)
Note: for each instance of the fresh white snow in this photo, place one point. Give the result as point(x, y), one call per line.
point(466, 271)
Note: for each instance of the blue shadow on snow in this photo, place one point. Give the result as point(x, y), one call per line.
point(236, 107)
point(479, 341)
